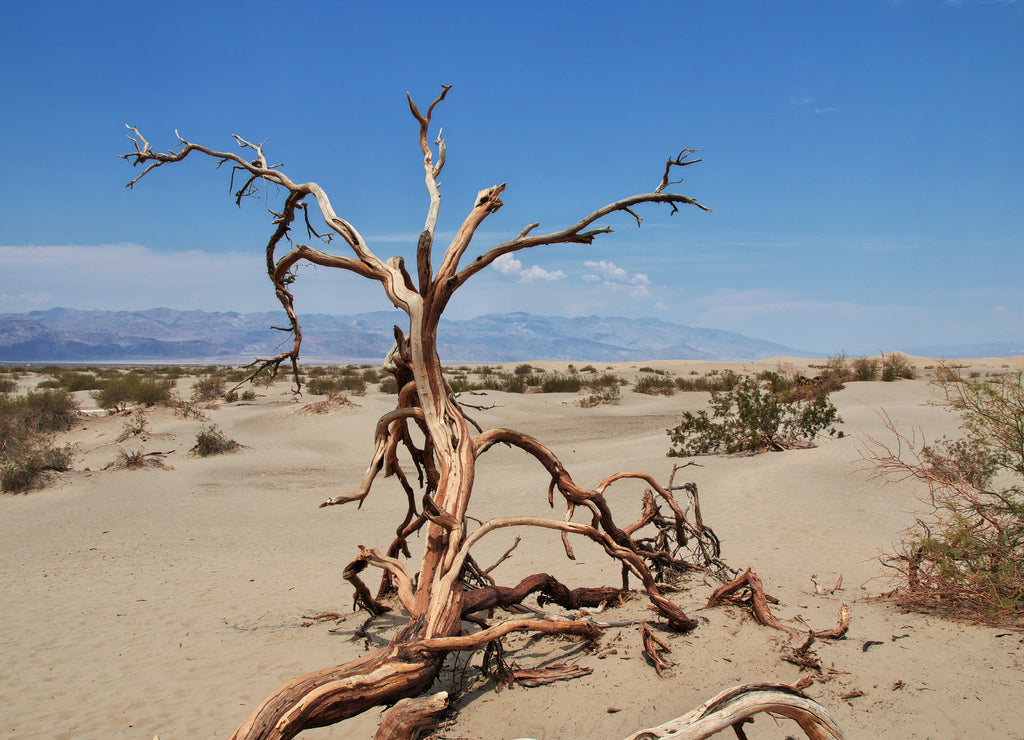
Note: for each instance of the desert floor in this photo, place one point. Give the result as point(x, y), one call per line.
point(170, 600)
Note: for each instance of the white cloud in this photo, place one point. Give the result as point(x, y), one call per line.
point(509, 266)
point(607, 269)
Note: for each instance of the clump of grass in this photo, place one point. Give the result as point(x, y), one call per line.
point(212, 441)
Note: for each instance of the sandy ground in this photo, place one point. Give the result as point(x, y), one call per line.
point(171, 600)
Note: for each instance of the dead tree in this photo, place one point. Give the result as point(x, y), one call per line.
point(436, 596)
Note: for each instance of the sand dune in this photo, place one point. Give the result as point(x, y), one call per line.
point(171, 600)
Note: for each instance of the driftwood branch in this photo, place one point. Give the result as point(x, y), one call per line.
point(731, 707)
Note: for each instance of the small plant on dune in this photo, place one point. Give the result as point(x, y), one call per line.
point(864, 368)
point(838, 369)
point(559, 383)
point(896, 366)
point(212, 441)
point(130, 459)
point(135, 425)
point(967, 557)
point(713, 381)
point(208, 388)
point(122, 391)
point(601, 396)
point(189, 410)
point(27, 423)
point(657, 384)
point(752, 417)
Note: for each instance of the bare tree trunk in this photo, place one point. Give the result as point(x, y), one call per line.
point(434, 596)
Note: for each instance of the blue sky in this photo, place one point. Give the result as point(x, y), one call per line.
point(863, 160)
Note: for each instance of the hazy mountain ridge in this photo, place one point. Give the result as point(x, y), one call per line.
point(163, 334)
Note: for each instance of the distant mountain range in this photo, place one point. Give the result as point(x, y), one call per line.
point(64, 335)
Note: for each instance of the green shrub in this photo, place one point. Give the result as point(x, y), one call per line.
point(865, 368)
point(47, 411)
point(607, 395)
point(28, 469)
point(713, 381)
point(514, 384)
point(248, 395)
point(212, 441)
point(71, 381)
point(524, 369)
point(388, 385)
point(655, 385)
point(752, 418)
point(558, 383)
point(135, 425)
point(8, 385)
point(895, 366)
point(21, 475)
point(838, 368)
point(208, 388)
point(121, 391)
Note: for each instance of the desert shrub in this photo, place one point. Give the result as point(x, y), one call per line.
point(248, 395)
point(967, 557)
point(588, 369)
point(8, 385)
point(47, 411)
point(388, 385)
point(752, 418)
point(524, 369)
point(514, 384)
point(129, 388)
point(865, 368)
point(212, 441)
point(655, 385)
point(73, 380)
point(603, 382)
point(895, 366)
point(713, 381)
point(208, 388)
point(188, 409)
point(837, 369)
point(135, 425)
point(602, 395)
point(21, 475)
point(559, 383)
